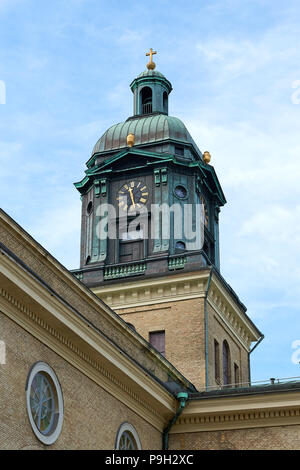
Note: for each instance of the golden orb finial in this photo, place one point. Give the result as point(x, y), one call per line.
point(130, 140)
point(206, 157)
point(151, 65)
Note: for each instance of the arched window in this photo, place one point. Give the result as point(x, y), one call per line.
point(165, 102)
point(146, 100)
point(217, 361)
point(180, 246)
point(127, 438)
point(226, 364)
point(89, 208)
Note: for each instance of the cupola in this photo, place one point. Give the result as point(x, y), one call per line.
point(151, 91)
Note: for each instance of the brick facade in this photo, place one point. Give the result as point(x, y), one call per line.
point(268, 438)
point(91, 415)
point(218, 331)
point(183, 323)
point(109, 374)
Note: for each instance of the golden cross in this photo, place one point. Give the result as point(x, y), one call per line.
point(151, 53)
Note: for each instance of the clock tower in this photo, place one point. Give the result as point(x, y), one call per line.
point(150, 239)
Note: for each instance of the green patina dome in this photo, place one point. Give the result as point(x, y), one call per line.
point(146, 130)
point(151, 73)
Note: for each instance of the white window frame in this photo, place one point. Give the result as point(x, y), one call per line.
point(127, 427)
point(52, 436)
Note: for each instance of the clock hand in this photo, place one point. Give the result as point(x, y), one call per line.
point(131, 195)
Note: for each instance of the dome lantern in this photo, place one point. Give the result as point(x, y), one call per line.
point(151, 90)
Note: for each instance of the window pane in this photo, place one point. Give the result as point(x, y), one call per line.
point(226, 364)
point(157, 339)
point(217, 361)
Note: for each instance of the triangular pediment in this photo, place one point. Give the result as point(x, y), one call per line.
point(123, 161)
point(130, 158)
point(135, 159)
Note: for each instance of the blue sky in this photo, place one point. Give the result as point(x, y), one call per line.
point(67, 65)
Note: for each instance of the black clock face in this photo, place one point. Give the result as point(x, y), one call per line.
point(132, 196)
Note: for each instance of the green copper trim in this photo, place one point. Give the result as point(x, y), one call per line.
point(151, 77)
point(81, 183)
point(125, 270)
point(178, 262)
point(147, 129)
point(79, 275)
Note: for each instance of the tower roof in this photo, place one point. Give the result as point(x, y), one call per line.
point(146, 129)
point(153, 77)
point(151, 73)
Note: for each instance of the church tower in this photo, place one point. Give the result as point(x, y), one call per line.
point(150, 240)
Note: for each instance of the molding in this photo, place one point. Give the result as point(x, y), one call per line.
point(227, 302)
point(235, 328)
point(82, 294)
point(174, 288)
point(231, 314)
point(254, 411)
point(76, 341)
point(171, 288)
point(37, 251)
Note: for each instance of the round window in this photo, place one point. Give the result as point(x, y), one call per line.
point(127, 438)
point(180, 192)
point(44, 403)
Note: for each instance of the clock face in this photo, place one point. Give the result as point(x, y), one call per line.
point(132, 196)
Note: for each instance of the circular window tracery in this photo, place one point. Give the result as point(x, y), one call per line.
point(44, 403)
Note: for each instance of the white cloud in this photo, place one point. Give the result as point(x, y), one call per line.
point(57, 229)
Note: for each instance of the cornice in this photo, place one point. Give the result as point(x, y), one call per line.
point(85, 294)
point(77, 342)
point(280, 409)
point(179, 287)
point(231, 313)
point(155, 290)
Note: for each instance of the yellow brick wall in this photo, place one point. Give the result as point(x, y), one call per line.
point(268, 438)
point(183, 323)
point(238, 354)
point(91, 415)
point(70, 292)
